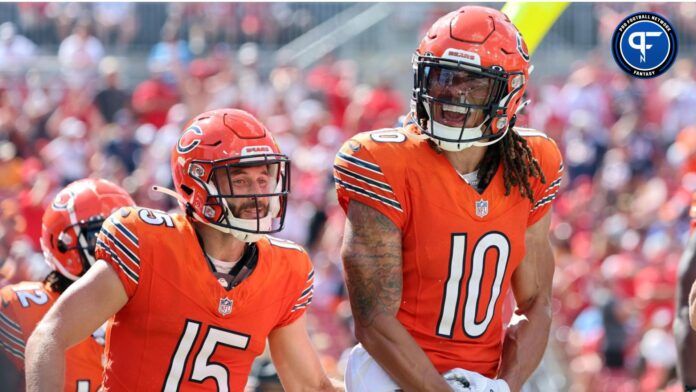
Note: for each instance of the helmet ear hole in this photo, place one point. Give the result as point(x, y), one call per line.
point(63, 242)
point(186, 190)
point(59, 244)
point(62, 248)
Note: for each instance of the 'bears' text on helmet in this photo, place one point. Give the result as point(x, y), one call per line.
point(231, 175)
point(470, 72)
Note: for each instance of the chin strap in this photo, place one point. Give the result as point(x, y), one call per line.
point(184, 203)
point(513, 120)
point(523, 105)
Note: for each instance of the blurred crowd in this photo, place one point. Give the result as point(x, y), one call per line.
point(85, 122)
point(123, 26)
point(620, 222)
point(622, 218)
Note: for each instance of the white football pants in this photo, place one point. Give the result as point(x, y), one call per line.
point(363, 373)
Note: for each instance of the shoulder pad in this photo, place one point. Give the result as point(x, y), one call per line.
point(285, 244)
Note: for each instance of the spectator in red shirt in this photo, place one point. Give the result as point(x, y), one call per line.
point(153, 98)
point(380, 108)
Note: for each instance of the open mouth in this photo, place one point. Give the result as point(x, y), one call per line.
point(454, 116)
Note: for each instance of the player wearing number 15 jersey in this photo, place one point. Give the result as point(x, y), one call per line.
point(68, 235)
point(446, 215)
point(195, 296)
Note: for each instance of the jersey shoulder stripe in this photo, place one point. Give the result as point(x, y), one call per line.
point(127, 270)
point(364, 179)
point(125, 231)
point(544, 200)
point(372, 195)
point(12, 351)
point(10, 323)
point(11, 331)
point(121, 246)
point(306, 295)
point(360, 162)
point(10, 338)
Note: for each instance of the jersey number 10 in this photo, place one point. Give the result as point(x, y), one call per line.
point(202, 368)
point(453, 289)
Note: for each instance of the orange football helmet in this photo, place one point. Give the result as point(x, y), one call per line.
point(71, 223)
point(470, 72)
point(230, 174)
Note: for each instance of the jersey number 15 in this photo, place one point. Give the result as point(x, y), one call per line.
point(202, 368)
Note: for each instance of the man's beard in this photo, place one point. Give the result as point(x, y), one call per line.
point(248, 210)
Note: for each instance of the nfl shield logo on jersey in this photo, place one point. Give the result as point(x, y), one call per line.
point(481, 208)
point(225, 306)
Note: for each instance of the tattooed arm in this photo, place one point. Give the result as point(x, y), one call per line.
point(371, 255)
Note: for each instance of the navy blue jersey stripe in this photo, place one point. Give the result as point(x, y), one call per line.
point(10, 323)
point(545, 200)
point(359, 162)
point(124, 230)
point(364, 179)
point(307, 291)
point(12, 350)
point(392, 203)
point(131, 274)
point(12, 338)
point(122, 247)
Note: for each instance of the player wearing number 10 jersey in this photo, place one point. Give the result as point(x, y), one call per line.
point(446, 215)
point(195, 296)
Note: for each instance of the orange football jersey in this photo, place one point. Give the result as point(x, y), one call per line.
point(181, 329)
point(460, 247)
point(23, 306)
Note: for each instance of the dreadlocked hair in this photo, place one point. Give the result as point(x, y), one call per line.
point(57, 282)
point(518, 164)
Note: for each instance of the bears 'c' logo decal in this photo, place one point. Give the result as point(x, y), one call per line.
point(189, 139)
point(62, 201)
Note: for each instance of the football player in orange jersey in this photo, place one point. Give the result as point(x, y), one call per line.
point(195, 296)
point(68, 236)
point(685, 320)
point(447, 214)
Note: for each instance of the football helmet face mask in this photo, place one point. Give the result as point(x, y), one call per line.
point(470, 73)
point(229, 174)
point(71, 223)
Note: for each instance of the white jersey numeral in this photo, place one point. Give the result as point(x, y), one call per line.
point(202, 368)
point(155, 218)
point(453, 289)
point(82, 385)
point(388, 136)
point(39, 297)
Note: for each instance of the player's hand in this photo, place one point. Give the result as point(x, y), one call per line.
point(462, 380)
point(338, 385)
point(458, 379)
